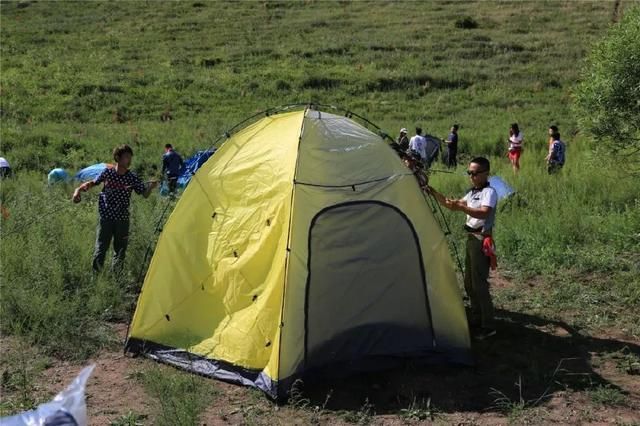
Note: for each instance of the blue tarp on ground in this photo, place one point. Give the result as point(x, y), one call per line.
point(91, 172)
point(57, 175)
point(189, 168)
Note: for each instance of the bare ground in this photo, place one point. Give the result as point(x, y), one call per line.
point(535, 371)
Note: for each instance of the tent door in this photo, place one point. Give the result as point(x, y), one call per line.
point(366, 294)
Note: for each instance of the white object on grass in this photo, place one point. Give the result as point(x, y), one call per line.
point(68, 408)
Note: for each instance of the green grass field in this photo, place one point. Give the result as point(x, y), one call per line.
point(79, 78)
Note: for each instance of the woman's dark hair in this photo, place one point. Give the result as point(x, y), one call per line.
point(555, 134)
point(119, 150)
point(553, 128)
point(516, 129)
point(482, 162)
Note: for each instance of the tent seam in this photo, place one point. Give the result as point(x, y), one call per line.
point(288, 248)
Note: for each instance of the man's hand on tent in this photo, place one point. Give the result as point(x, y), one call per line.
point(451, 204)
point(438, 196)
point(455, 205)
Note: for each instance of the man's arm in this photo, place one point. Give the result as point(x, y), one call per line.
point(489, 201)
point(447, 202)
point(82, 188)
point(149, 187)
point(88, 185)
point(164, 164)
point(551, 151)
point(438, 196)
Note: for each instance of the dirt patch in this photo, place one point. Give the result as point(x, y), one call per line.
point(499, 281)
point(534, 371)
point(111, 390)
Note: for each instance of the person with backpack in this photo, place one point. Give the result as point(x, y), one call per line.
point(516, 138)
point(557, 149)
point(479, 204)
point(552, 129)
point(113, 207)
point(5, 168)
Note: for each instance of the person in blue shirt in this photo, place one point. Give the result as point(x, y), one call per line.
point(171, 165)
point(113, 207)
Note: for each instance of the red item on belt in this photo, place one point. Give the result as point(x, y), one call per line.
point(489, 250)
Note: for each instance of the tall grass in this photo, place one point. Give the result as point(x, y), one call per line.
point(49, 293)
point(583, 218)
point(178, 398)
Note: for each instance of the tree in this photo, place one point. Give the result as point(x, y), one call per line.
point(607, 100)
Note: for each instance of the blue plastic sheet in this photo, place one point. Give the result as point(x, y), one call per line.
point(502, 188)
point(91, 172)
point(189, 168)
point(57, 175)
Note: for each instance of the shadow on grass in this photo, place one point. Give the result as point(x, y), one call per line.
point(529, 361)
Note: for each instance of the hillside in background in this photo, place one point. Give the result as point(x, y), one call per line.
point(84, 76)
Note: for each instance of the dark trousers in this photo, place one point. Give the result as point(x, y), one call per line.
point(554, 168)
point(118, 230)
point(452, 161)
point(476, 284)
point(172, 183)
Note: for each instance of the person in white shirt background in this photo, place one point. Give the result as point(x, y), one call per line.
point(418, 143)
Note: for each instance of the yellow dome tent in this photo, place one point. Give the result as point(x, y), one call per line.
point(304, 244)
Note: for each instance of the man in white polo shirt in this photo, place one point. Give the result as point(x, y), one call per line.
point(480, 206)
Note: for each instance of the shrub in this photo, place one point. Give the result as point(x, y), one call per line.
point(606, 101)
point(466, 23)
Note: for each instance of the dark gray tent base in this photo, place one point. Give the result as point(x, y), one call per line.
point(279, 390)
point(197, 364)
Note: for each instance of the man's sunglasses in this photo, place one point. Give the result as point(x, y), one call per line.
point(472, 173)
